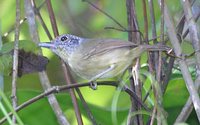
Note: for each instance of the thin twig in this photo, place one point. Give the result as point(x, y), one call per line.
point(86, 107)
point(68, 79)
point(52, 18)
point(1, 74)
point(15, 58)
point(139, 86)
point(153, 116)
point(134, 96)
point(147, 94)
point(130, 14)
point(153, 22)
point(187, 31)
point(37, 12)
point(162, 34)
point(57, 89)
point(134, 83)
point(125, 30)
point(13, 28)
point(145, 21)
point(21, 22)
point(93, 5)
point(153, 57)
point(168, 74)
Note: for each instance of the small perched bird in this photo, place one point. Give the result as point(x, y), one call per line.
point(94, 59)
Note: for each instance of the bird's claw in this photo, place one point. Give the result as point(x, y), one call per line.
point(93, 85)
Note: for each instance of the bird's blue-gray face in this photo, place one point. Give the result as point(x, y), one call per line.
point(63, 45)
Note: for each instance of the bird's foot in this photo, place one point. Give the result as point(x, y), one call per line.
point(93, 85)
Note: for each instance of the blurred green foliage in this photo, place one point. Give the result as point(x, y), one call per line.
point(7, 51)
point(79, 18)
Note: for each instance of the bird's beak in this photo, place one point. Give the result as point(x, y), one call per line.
point(49, 45)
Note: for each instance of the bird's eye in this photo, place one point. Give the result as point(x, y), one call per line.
point(64, 38)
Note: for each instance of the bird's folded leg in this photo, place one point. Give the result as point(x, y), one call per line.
point(93, 83)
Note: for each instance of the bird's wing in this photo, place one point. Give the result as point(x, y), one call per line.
point(104, 45)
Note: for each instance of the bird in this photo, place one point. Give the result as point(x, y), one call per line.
point(97, 58)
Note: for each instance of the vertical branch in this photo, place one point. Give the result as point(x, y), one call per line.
point(139, 86)
point(134, 83)
point(153, 22)
point(131, 26)
point(15, 58)
point(1, 74)
point(161, 120)
point(86, 107)
point(37, 12)
point(132, 22)
point(158, 70)
point(52, 18)
point(153, 56)
point(43, 75)
point(66, 71)
point(145, 21)
point(1, 43)
point(162, 5)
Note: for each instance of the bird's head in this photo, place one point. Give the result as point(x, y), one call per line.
point(63, 45)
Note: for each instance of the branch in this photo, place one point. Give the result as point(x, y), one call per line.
point(15, 58)
point(1, 74)
point(145, 21)
point(37, 13)
point(57, 89)
point(86, 107)
point(93, 5)
point(21, 22)
point(134, 81)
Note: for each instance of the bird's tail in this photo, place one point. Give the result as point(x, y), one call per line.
point(155, 48)
point(137, 51)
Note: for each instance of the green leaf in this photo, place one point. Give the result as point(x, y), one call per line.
point(23, 44)
point(5, 64)
point(28, 46)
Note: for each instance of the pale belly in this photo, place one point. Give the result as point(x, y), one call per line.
point(88, 68)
